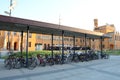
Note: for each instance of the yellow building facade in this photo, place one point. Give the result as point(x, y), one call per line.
point(109, 29)
point(38, 41)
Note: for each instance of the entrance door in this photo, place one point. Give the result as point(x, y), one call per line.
point(15, 45)
point(38, 46)
point(111, 46)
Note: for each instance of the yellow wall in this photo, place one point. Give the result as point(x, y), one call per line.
point(33, 41)
point(1, 39)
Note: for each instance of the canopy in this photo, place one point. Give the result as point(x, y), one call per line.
point(18, 24)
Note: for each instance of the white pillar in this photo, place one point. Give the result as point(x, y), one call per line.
point(19, 41)
point(12, 42)
point(5, 42)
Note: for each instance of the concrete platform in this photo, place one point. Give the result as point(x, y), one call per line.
point(103, 69)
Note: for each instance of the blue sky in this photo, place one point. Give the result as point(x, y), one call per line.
point(75, 13)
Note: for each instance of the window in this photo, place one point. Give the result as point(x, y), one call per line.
point(46, 37)
point(110, 39)
point(29, 44)
point(115, 37)
point(45, 46)
point(66, 39)
point(76, 40)
point(80, 40)
point(71, 39)
point(38, 37)
point(83, 40)
point(103, 46)
point(54, 37)
point(30, 35)
point(15, 33)
point(102, 39)
point(8, 33)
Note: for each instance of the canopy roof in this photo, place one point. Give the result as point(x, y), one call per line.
point(18, 24)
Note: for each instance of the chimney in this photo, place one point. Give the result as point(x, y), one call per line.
point(95, 23)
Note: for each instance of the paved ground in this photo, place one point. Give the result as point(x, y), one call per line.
point(104, 69)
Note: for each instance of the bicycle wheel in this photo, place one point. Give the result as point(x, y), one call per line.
point(8, 66)
point(32, 65)
point(18, 65)
point(43, 64)
point(51, 62)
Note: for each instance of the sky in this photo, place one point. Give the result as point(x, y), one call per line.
point(74, 13)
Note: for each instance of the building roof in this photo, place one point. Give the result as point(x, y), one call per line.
point(18, 24)
point(106, 25)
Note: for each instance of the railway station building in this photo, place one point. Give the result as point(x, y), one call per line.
point(42, 41)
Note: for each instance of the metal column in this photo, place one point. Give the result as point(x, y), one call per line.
point(74, 44)
point(62, 47)
point(8, 43)
point(9, 31)
point(101, 44)
point(21, 44)
point(85, 44)
point(90, 43)
point(52, 45)
point(27, 46)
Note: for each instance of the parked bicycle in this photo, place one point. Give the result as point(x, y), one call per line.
point(19, 62)
point(49, 60)
point(11, 62)
point(41, 60)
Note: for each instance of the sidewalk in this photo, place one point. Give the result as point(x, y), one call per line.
point(1, 60)
point(104, 69)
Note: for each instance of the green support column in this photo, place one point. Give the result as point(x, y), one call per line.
point(74, 44)
point(52, 45)
point(27, 46)
point(85, 43)
point(101, 44)
point(62, 47)
point(21, 44)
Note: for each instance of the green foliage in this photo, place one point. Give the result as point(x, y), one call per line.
point(113, 52)
point(48, 52)
point(33, 53)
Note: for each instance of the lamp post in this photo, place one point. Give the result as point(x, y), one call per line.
point(11, 7)
point(59, 36)
point(8, 33)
